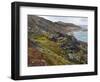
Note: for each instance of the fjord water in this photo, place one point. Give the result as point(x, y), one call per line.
point(81, 35)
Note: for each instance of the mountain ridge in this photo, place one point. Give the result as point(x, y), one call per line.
point(46, 25)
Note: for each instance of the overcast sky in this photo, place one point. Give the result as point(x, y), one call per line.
point(68, 19)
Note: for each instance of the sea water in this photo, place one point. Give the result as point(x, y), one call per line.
point(81, 35)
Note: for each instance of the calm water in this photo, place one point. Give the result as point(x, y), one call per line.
point(81, 35)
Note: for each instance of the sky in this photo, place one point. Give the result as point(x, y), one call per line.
point(67, 19)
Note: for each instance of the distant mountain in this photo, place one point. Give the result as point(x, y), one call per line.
point(67, 24)
point(40, 25)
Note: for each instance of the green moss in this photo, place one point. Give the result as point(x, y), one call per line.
point(52, 57)
point(51, 51)
point(54, 54)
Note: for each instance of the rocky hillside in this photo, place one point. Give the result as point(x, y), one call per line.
point(40, 25)
point(49, 43)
